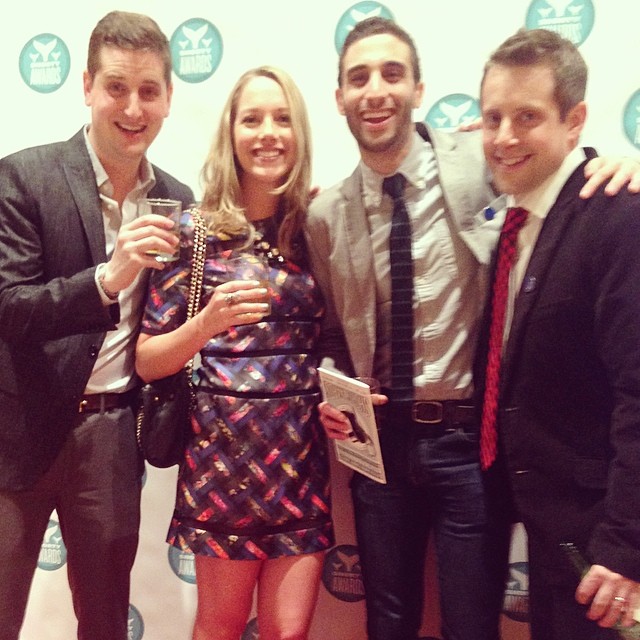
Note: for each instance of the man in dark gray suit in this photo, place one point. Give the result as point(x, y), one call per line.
point(72, 266)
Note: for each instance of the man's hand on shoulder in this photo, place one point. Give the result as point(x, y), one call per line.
point(622, 171)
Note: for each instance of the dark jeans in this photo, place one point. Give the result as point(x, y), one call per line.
point(433, 485)
point(94, 485)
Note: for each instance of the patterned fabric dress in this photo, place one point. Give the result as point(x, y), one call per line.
point(255, 481)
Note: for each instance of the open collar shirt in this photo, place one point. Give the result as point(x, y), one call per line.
point(115, 365)
point(447, 296)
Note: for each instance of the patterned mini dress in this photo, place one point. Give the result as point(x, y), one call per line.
point(254, 483)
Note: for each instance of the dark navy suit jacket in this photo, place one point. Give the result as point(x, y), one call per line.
point(569, 408)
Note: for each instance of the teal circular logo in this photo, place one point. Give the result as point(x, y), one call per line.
point(182, 564)
point(357, 13)
point(572, 19)
point(135, 625)
point(53, 553)
point(631, 119)
point(196, 50)
point(453, 110)
point(341, 573)
point(516, 595)
point(44, 63)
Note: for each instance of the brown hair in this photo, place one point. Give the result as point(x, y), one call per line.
point(132, 31)
point(377, 26)
point(544, 47)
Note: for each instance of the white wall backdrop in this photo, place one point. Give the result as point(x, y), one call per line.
point(453, 38)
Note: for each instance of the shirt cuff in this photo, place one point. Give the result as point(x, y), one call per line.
point(107, 297)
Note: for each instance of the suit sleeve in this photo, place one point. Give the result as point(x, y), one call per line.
point(615, 542)
point(47, 291)
point(332, 344)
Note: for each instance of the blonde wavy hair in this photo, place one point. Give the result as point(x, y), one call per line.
point(221, 171)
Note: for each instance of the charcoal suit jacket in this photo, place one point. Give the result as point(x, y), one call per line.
point(52, 320)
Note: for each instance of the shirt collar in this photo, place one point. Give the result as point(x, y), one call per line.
point(412, 168)
point(539, 201)
point(146, 177)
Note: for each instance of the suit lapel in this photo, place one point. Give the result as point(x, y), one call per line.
point(550, 239)
point(360, 295)
point(82, 183)
point(478, 232)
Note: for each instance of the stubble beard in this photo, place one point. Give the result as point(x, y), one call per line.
point(394, 142)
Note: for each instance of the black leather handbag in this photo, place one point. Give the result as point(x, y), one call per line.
point(163, 422)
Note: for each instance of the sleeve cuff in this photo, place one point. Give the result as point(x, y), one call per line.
point(107, 297)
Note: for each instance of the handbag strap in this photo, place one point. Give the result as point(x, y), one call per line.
point(197, 263)
point(197, 274)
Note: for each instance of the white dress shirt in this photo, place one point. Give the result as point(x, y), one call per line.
point(538, 203)
point(114, 368)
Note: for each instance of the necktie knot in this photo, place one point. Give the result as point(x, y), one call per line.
point(394, 185)
point(516, 217)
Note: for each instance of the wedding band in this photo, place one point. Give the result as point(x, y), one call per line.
point(620, 599)
point(230, 299)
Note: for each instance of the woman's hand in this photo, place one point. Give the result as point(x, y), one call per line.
point(233, 303)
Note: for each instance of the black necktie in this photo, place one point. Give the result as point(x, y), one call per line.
point(401, 265)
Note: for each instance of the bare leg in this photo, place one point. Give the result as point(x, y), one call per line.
point(287, 596)
point(225, 596)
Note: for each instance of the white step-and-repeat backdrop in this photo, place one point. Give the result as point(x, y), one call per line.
point(43, 50)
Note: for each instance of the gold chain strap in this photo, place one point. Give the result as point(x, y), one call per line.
point(197, 274)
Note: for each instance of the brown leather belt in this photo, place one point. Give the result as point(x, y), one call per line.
point(99, 402)
point(452, 412)
point(432, 418)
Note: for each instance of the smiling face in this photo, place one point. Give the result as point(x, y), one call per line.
point(525, 140)
point(129, 100)
point(377, 95)
point(263, 138)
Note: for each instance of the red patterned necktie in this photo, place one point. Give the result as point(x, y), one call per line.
point(516, 217)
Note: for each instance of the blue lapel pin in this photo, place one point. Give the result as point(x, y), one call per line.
point(530, 283)
point(489, 213)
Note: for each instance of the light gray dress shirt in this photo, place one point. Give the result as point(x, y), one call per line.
point(448, 297)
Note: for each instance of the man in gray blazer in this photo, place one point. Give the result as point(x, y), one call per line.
point(430, 444)
point(72, 284)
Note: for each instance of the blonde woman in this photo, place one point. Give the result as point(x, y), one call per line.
point(253, 492)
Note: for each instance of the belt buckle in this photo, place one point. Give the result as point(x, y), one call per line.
point(437, 406)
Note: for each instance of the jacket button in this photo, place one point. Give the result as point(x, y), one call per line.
point(93, 351)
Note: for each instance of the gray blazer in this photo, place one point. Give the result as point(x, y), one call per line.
point(341, 255)
point(52, 320)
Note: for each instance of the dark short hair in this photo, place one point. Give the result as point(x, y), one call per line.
point(132, 31)
point(541, 46)
point(377, 26)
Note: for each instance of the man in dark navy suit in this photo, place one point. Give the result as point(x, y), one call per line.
point(566, 361)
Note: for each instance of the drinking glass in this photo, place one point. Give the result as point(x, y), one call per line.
point(169, 209)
